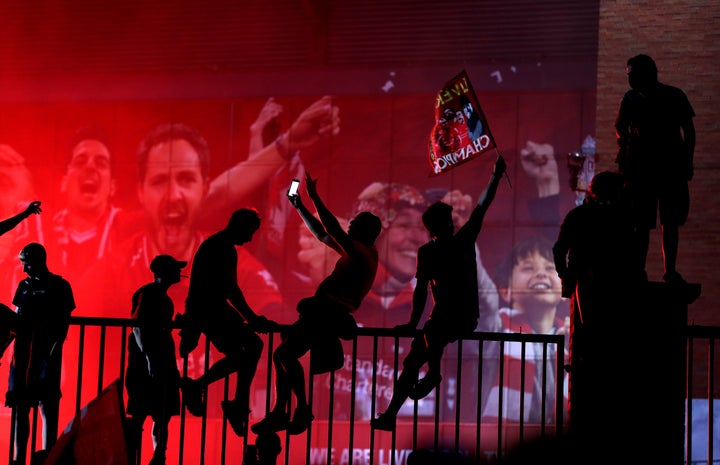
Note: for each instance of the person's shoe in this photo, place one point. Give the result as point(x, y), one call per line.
point(383, 422)
point(425, 386)
point(192, 394)
point(157, 459)
point(301, 420)
point(237, 415)
point(38, 457)
point(674, 277)
point(272, 423)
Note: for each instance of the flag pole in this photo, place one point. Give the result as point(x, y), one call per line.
point(507, 178)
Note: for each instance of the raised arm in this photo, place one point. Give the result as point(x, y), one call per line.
point(314, 225)
point(267, 120)
point(231, 187)
point(259, 323)
point(329, 221)
point(13, 221)
point(474, 224)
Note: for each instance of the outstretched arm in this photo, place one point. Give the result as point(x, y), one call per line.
point(539, 163)
point(314, 225)
point(488, 194)
point(258, 323)
point(10, 223)
point(266, 119)
point(330, 223)
point(474, 223)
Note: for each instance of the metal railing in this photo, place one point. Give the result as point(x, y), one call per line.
point(452, 420)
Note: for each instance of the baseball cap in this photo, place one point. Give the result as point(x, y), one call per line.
point(162, 264)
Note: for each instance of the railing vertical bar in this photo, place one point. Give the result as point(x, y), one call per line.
point(311, 401)
point(458, 391)
point(688, 401)
point(223, 443)
point(183, 412)
point(711, 400)
point(543, 394)
point(353, 393)
point(331, 414)
point(523, 360)
point(478, 413)
point(81, 355)
point(559, 385)
point(203, 428)
point(501, 374)
point(396, 361)
point(373, 397)
point(101, 359)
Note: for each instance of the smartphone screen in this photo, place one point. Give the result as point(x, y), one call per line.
point(294, 185)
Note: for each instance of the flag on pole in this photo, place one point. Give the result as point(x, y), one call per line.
point(461, 132)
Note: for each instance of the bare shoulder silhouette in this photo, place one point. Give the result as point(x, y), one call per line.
point(326, 317)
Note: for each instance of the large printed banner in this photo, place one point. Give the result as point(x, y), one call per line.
point(113, 198)
point(461, 132)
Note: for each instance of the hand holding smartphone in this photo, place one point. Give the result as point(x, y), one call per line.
point(294, 185)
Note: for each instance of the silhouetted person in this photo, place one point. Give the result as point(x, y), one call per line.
point(326, 317)
point(152, 378)
point(448, 264)
point(216, 307)
point(656, 140)
point(595, 258)
point(44, 302)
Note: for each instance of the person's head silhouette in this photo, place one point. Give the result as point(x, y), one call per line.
point(642, 72)
point(242, 225)
point(438, 220)
point(34, 259)
point(606, 187)
point(167, 269)
point(365, 227)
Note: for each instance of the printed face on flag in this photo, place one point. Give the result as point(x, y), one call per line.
point(461, 132)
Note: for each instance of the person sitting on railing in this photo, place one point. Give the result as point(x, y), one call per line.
point(216, 307)
point(447, 263)
point(326, 317)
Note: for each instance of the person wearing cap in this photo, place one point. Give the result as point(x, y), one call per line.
point(216, 307)
point(152, 378)
point(44, 302)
